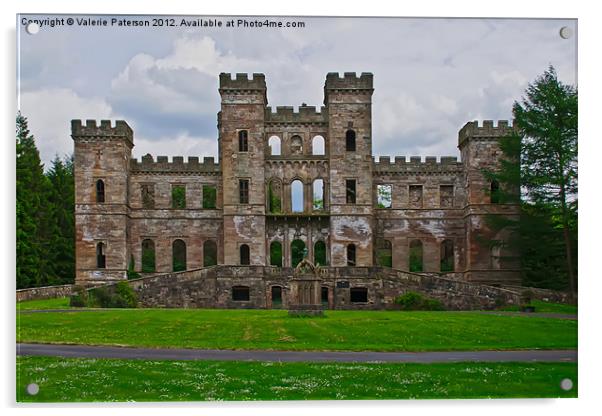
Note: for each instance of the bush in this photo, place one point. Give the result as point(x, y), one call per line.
point(80, 298)
point(123, 297)
point(412, 301)
point(100, 298)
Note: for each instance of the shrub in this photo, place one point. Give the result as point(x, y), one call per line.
point(125, 295)
point(80, 298)
point(100, 298)
point(412, 301)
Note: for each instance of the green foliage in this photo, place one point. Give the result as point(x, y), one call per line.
point(125, 292)
point(416, 259)
point(274, 200)
point(276, 254)
point(320, 258)
point(209, 197)
point(44, 214)
point(539, 172)
point(80, 298)
point(413, 301)
point(178, 197)
point(122, 297)
point(131, 272)
point(297, 252)
point(384, 196)
point(148, 259)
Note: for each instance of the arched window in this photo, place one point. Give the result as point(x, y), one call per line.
point(101, 262)
point(275, 196)
point(297, 202)
point(318, 146)
point(297, 252)
point(245, 255)
point(209, 253)
point(100, 191)
point(350, 141)
point(415, 256)
point(274, 144)
point(178, 249)
point(351, 255)
point(148, 256)
point(494, 192)
point(296, 145)
point(384, 253)
point(276, 254)
point(318, 195)
point(243, 141)
point(447, 256)
point(320, 253)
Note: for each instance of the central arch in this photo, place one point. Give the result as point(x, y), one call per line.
point(297, 252)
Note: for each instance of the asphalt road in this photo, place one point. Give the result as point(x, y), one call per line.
point(84, 351)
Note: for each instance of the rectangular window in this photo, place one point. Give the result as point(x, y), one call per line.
point(350, 187)
point(243, 188)
point(178, 196)
point(209, 197)
point(446, 196)
point(384, 196)
point(359, 294)
point(148, 196)
point(240, 293)
point(415, 196)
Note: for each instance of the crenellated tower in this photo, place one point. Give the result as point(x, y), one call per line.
point(102, 156)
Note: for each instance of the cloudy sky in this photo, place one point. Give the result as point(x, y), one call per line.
point(430, 76)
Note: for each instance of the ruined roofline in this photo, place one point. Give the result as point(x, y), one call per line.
point(176, 165)
point(349, 80)
point(91, 129)
point(430, 163)
point(241, 81)
point(487, 130)
point(305, 114)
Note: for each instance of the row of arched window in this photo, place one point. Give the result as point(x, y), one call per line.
point(318, 144)
point(297, 196)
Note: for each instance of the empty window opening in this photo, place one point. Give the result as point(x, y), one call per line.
point(209, 253)
point(384, 196)
point(275, 196)
point(318, 195)
point(209, 197)
point(147, 192)
point(358, 294)
point(101, 261)
point(296, 145)
point(350, 141)
point(320, 253)
point(276, 296)
point(318, 146)
point(178, 255)
point(178, 196)
point(243, 191)
point(297, 252)
point(447, 256)
point(274, 145)
point(240, 293)
point(415, 196)
point(415, 261)
point(324, 295)
point(384, 253)
point(446, 196)
point(245, 255)
point(297, 196)
point(276, 254)
point(351, 255)
point(494, 192)
point(243, 141)
point(100, 191)
point(350, 191)
point(148, 256)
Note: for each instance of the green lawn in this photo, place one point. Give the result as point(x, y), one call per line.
point(541, 306)
point(85, 379)
point(273, 329)
point(58, 303)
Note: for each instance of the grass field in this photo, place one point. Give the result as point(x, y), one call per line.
point(541, 306)
point(274, 330)
point(136, 380)
point(58, 303)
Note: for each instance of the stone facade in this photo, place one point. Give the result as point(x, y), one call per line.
point(155, 215)
point(46, 292)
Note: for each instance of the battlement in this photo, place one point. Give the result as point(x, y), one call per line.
point(92, 130)
point(241, 81)
point(148, 164)
point(349, 81)
point(415, 163)
point(306, 114)
point(472, 129)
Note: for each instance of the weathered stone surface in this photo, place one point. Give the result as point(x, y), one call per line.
point(47, 292)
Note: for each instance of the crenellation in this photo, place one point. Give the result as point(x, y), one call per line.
point(91, 130)
point(176, 165)
point(487, 130)
point(287, 114)
point(349, 80)
point(241, 81)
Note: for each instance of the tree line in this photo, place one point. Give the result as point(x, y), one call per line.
point(45, 215)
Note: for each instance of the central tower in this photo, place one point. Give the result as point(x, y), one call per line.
point(349, 104)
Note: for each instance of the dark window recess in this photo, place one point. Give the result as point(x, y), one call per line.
point(100, 191)
point(358, 294)
point(495, 192)
point(276, 254)
point(415, 260)
point(245, 256)
point(240, 293)
point(351, 255)
point(350, 188)
point(209, 197)
point(178, 196)
point(350, 141)
point(243, 188)
point(148, 196)
point(243, 141)
point(447, 256)
point(101, 261)
point(209, 253)
point(148, 256)
point(276, 295)
point(324, 295)
point(178, 248)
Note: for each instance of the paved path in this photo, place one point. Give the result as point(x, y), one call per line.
point(294, 356)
